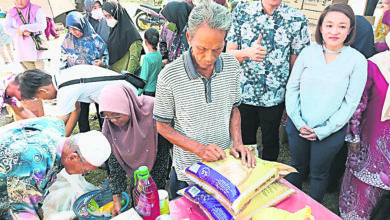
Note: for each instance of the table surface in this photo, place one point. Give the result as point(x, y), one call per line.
point(182, 208)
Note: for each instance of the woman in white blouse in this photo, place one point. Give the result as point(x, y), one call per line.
point(323, 92)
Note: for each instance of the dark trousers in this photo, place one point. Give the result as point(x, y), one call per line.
point(175, 184)
point(84, 117)
point(316, 156)
point(268, 118)
point(338, 168)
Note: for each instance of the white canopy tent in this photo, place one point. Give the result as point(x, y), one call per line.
point(51, 8)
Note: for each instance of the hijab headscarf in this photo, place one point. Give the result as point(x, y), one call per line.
point(123, 34)
point(87, 48)
point(135, 144)
point(100, 27)
point(382, 60)
point(32, 8)
point(177, 12)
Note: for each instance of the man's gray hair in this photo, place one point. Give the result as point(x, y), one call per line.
point(214, 15)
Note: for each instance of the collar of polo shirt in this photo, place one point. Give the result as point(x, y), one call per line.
point(192, 73)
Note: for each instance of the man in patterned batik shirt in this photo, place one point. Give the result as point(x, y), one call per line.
point(266, 38)
point(32, 152)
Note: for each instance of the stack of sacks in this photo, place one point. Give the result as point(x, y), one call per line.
point(226, 189)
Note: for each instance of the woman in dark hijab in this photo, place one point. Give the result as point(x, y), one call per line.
point(95, 16)
point(176, 13)
point(124, 42)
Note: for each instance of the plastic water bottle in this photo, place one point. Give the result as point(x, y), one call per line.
point(145, 195)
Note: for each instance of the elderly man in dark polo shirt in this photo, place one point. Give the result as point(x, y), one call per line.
point(198, 94)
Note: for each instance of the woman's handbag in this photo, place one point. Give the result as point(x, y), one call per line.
point(39, 40)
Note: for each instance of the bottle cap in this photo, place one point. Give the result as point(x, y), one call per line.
point(143, 172)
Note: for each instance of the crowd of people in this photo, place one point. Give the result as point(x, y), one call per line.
point(210, 78)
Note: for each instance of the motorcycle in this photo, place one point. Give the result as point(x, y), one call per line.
point(147, 16)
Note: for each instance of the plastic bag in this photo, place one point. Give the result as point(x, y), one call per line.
point(57, 205)
point(234, 184)
point(209, 205)
point(279, 214)
point(270, 196)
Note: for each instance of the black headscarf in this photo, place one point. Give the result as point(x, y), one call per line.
point(123, 34)
point(178, 13)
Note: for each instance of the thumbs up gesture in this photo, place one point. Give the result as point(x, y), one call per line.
point(257, 52)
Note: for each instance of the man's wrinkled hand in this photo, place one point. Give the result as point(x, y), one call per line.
point(212, 153)
point(247, 157)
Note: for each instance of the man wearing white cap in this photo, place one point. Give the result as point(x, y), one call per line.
point(32, 153)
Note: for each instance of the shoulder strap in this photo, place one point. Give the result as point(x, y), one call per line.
point(21, 16)
point(92, 79)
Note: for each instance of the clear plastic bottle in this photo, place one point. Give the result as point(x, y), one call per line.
point(145, 194)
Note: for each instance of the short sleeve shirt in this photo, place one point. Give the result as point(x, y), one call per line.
point(67, 96)
point(4, 98)
point(199, 108)
point(284, 32)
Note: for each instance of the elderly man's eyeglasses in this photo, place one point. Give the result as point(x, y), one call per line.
point(110, 116)
point(82, 164)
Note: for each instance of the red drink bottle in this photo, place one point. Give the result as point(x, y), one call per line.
point(145, 194)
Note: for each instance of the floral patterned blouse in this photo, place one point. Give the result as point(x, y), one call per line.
point(29, 162)
point(284, 32)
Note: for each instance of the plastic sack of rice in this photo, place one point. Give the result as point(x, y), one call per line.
point(234, 184)
point(270, 196)
point(210, 206)
point(279, 214)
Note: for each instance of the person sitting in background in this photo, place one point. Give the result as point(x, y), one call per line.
point(81, 44)
point(131, 130)
point(38, 84)
point(173, 33)
point(32, 153)
point(152, 62)
point(95, 16)
point(367, 174)
point(124, 42)
point(323, 91)
point(10, 95)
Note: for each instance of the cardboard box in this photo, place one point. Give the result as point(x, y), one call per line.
point(297, 4)
point(320, 5)
point(312, 19)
